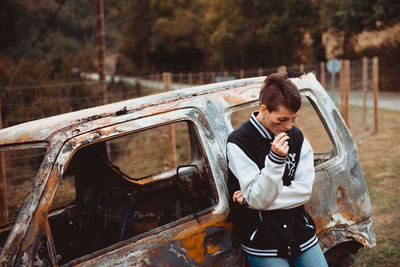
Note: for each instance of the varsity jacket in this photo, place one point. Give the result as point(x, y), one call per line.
point(273, 222)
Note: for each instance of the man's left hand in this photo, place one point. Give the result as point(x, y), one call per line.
point(238, 197)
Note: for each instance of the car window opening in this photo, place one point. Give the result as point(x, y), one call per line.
point(108, 205)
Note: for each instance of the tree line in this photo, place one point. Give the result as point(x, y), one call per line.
point(177, 35)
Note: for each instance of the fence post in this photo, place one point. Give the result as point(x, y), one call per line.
point(3, 192)
point(180, 77)
point(322, 78)
point(241, 73)
point(375, 68)
point(3, 185)
point(260, 72)
point(102, 87)
point(212, 77)
point(171, 127)
point(190, 78)
point(301, 68)
point(139, 91)
point(201, 78)
point(364, 86)
point(346, 91)
point(341, 85)
point(281, 69)
point(225, 75)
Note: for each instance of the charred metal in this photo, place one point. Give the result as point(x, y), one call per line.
point(173, 210)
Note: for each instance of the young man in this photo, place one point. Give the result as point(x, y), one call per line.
point(270, 177)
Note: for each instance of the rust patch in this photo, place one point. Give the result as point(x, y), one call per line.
point(192, 238)
point(211, 248)
point(340, 138)
point(321, 223)
point(195, 246)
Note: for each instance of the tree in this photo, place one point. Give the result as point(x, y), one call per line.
point(257, 33)
point(178, 42)
point(351, 17)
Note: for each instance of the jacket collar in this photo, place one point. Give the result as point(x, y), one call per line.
point(260, 128)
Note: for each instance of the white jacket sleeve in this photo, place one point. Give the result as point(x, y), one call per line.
point(299, 191)
point(260, 188)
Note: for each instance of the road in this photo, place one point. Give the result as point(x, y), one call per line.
point(386, 100)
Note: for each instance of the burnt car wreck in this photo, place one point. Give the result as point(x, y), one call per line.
point(143, 182)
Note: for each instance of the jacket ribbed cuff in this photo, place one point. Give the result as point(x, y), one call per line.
point(276, 158)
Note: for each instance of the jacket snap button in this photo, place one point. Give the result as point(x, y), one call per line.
point(284, 226)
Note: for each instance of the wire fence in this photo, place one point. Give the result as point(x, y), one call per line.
point(22, 104)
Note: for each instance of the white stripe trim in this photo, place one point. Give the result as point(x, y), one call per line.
point(252, 236)
point(257, 127)
point(309, 241)
point(310, 245)
point(260, 250)
point(262, 254)
point(264, 132)
point(276, 158)
point(309, 226)
point(274, 252)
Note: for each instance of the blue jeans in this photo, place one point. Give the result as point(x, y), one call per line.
point(312, 257)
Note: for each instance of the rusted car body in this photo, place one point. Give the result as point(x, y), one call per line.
point(174, 212)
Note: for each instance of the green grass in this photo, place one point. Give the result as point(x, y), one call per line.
point(380, 160)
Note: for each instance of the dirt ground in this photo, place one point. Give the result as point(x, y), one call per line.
point(380, 160)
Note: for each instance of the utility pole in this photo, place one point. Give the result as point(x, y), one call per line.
point(100, 51)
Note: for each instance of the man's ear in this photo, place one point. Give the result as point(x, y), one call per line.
point(263, 108)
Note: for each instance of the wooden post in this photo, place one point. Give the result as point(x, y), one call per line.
point(212, 77)
point(180, 77)
point(201, 78)
point(139, 89)
point(167, 81)
point(322, 78)
point(100, 51)
point(225, 75)
point(341, 85)
point(301, 68)
point(3, 185)
point(3, 192)
point(346, 91)
point(375, 70)
point(241, 73)
point(190, 78)
point(281, 69)
point(364, 86)
point(171, 127)
point(260, 72)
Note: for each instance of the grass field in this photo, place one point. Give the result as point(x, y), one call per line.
point(380, 160)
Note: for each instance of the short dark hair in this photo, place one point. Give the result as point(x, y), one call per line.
point(279, 90)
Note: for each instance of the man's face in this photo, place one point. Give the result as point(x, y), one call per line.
point(278, 121)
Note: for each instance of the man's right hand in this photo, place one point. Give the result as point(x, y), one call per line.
point(280, 145)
